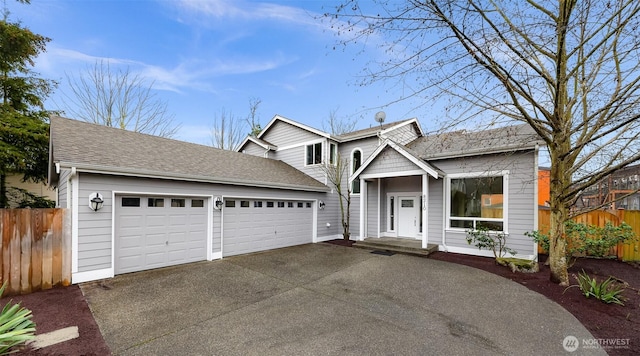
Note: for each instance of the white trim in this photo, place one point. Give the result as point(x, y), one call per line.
point(216, 256)
point(301, 144)
point(445, 206)
point(363, 204)
point(209, 207)
point(410, 121)
point(535, 198)
point(379, 209)
point(352, 171)
point(424, 209)
point(322, 153)
point(294, 123)
point(505, 199)
point(81, 277)
point(74, 178)
point(424, 166)
point(314, 207)
point(417, 172)
point(389, 232)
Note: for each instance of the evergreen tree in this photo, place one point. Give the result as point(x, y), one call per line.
point(24, 131)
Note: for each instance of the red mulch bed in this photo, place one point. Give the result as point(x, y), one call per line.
point(58, 308)
point(604, 321)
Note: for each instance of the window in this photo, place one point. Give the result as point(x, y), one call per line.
point(314, 153)
point(244, 203)
point(333, 153)
point(128, 201)
point(269, 204)
point(280, 204)
point(477, 202)
point(197, 203)
point(356, 162)
point(155, 202)
point(300, 204)
point(229, 203)
point(290, 204)
point(178, 203)
point(257, 204)
point(308, 204)
point(392, 214)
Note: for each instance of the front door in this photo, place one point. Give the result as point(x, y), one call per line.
point(408, 217)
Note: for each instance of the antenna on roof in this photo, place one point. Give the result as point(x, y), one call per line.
point(380, 116)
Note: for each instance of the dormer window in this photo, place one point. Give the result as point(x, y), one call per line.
point(314, 153)
point(333, 153)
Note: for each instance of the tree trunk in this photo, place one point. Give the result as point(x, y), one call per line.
point(346, 234)
point(559, 179)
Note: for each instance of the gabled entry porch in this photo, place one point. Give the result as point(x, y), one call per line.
point(394, 195)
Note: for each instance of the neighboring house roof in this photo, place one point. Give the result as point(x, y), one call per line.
point(95, 148)
point(469, 143)
point(374, 130)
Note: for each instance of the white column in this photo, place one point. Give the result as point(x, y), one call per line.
point(379, 207)
point(425, 209)
point(363, 208)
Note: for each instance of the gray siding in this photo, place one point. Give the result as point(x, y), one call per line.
point(390, 161)
point(95, 228)
point(435, 217)
point(521, 196)
point(296, 157)
point(63, 188)
point(372, 209)
point(403, 134)
point(284, 134)
point(251, 148)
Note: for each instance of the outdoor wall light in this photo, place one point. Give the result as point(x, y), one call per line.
point(95, 201)
point(321, 205)
point(217, 203)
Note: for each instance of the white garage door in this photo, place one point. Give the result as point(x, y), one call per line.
point(156, 231)
point(258, 225)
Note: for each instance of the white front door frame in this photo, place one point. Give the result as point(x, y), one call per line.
point(408, 216)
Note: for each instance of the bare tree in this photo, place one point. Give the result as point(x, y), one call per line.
point(252, 119)
point(118, 99)
point(227, 132)
point(338, 126)
point(567, 68)
point(336, 173)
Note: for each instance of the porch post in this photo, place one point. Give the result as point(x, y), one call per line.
point(363, 208)
point(424, 209)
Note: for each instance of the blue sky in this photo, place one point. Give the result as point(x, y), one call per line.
point(213, 55)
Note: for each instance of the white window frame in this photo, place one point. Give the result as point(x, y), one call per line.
point(333, 151)
point(505, 200)
point(306, 148)
point(352, 170)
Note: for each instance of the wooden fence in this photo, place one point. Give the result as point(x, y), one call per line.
point(36, 249)
point(625, 252)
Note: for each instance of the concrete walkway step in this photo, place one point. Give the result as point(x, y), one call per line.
point(396, 246)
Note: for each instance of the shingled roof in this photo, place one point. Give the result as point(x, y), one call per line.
point(469, 143)
point(98, 148)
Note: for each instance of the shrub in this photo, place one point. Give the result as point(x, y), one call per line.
point(607, 291)
point(588, 240)
point(482, 238)
point(16, 326)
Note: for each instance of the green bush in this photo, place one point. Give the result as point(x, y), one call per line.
point(588, 240)
point(495, 241)
point(16, 326)
point(607, 291)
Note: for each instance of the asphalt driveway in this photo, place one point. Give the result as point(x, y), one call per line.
point(326, 299)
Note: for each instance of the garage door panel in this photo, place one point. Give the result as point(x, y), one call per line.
point(153, 237)
point(262, 228)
